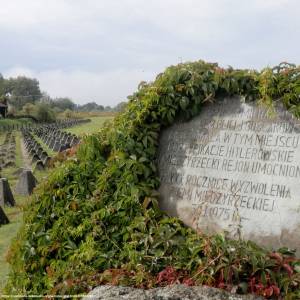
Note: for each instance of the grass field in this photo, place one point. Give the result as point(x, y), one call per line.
point(5, 122)
point(14, 214)
point(8, 232)
point(91, 127)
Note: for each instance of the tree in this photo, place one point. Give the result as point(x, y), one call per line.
point(69, 114)
point(45, 98)
point(63, 104)
point(56, 110)
point(91, 106)
point(120, 107)
point(44, 113)
point(23, 90)
point(2, 86)
point(29, 109)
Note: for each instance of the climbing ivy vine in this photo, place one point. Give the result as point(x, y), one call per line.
point(96, 219)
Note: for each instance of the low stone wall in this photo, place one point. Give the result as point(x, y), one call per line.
point(174, 292)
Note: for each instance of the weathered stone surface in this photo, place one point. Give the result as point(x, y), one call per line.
point(56, 146)
point(26, 183)
point(234, 169)
point(39, 165)
point(74, 141)
point(174, 292)
point(52, 143)
point(3, 218)
point(40, 151)
point(6, 196)
point(64, 147)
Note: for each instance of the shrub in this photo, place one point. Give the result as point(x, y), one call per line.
point(96, 219)
point(68, 114)
point(29, 109)
point(44, 113)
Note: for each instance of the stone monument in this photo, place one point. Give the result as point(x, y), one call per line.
point(6, 196)
point(26, 183)
point(234, 169)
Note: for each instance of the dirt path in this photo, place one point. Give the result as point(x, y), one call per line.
point(25, 156)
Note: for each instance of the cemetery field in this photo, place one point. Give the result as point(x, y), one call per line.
point(14, 214)
point(91, 127)
point(45, 146)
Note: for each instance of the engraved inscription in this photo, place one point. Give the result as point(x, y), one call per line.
point(235, 169)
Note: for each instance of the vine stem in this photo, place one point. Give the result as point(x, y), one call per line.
point(210, 263)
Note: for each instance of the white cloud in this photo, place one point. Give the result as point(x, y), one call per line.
point(97, 49)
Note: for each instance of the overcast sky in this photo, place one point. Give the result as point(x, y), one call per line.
point(99, 50)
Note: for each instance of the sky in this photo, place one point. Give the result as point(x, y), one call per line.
point(99, 50)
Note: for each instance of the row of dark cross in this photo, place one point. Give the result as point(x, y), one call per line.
point(29, 126)
point(56, 139)
point(67, 123)
point(8, 151)
point(35, 150)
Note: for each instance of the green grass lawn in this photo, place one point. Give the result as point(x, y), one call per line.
point(14, 214)
point(91, 127)
point(9, 231)
point(14, 121)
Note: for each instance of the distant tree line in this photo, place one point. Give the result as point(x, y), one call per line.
point(24, 97)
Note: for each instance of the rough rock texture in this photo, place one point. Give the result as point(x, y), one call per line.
point(6, 196)
point(174, 292)
point(272, 226)
point(26, 183)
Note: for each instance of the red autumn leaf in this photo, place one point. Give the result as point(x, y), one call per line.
point(276, 256)
point(288, 268)
point(268, 292)
point(188, 281)
point(276, 290)
point(168, 275)
point(221, 285)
